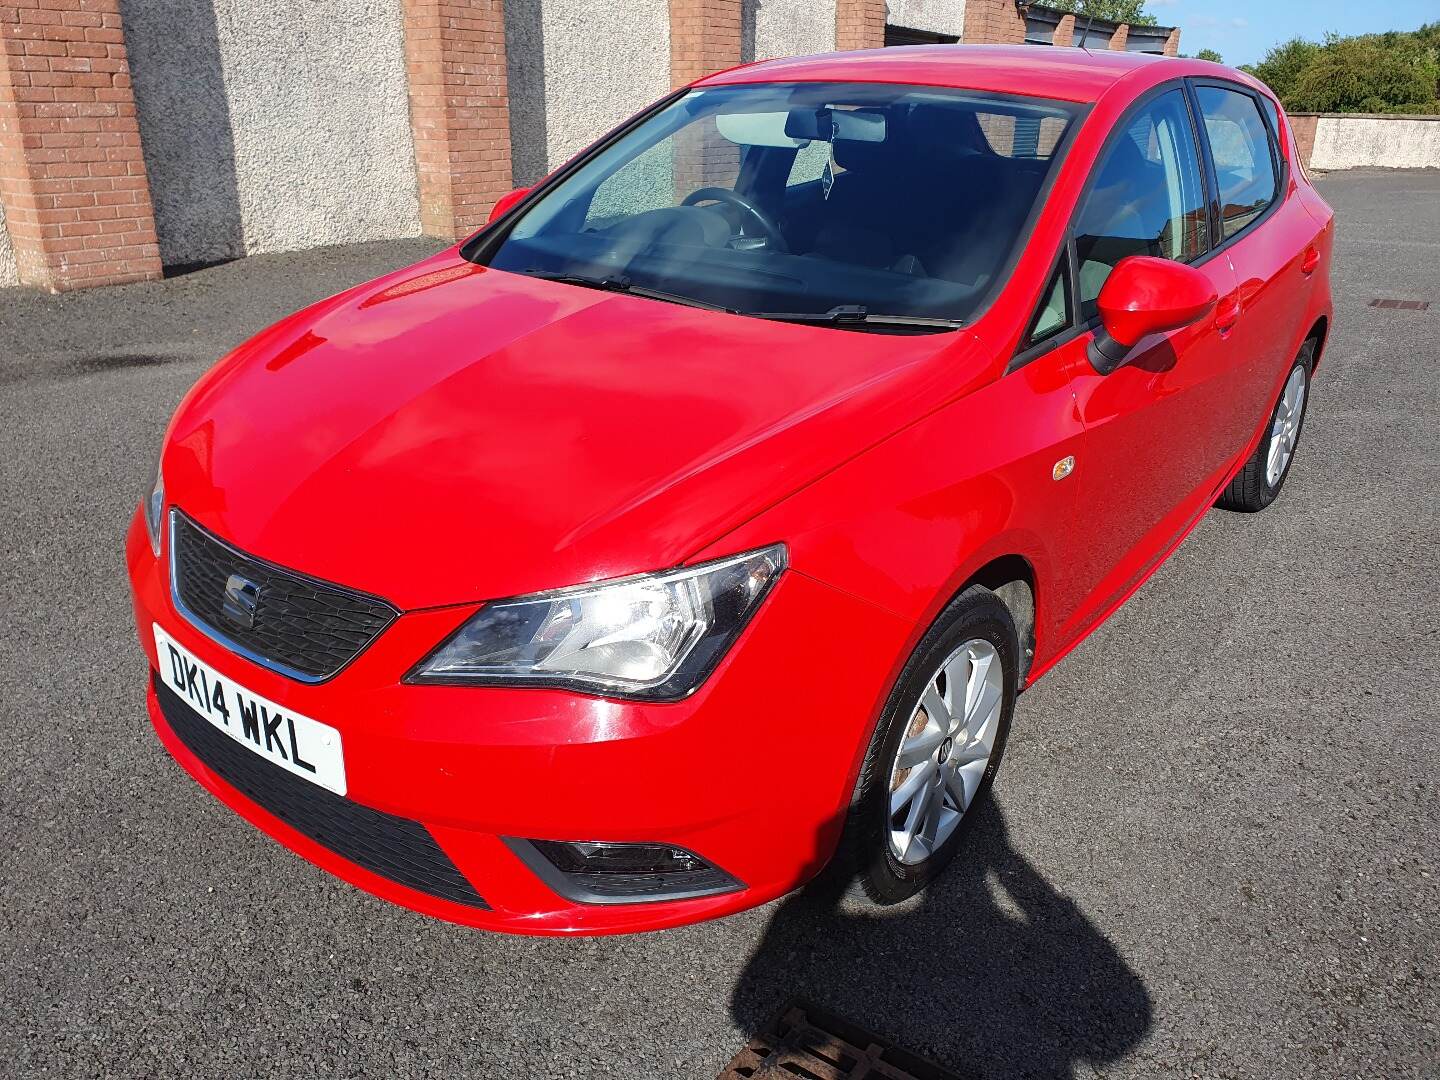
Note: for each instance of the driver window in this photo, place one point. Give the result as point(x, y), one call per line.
point(1146, 198)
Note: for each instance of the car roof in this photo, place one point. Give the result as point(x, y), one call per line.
point(1067, 74)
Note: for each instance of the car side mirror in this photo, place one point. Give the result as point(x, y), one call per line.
point(505, 202)
point(1142, 296)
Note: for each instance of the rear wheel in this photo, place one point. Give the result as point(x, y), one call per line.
point(1256, 485)
point(936, 749)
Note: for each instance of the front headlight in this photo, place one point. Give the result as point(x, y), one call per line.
point(153, 506)
point(655, 637)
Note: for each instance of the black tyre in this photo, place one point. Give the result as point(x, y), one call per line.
point(948, 716)
point(1256, 485)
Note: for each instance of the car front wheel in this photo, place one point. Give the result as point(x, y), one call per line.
point(936, 749)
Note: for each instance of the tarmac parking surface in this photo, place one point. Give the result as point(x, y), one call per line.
point(1214, 848)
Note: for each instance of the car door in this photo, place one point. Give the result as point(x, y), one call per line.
point(1158, 435)
point(1265, 235)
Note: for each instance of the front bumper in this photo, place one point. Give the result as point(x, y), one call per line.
point(753, 772)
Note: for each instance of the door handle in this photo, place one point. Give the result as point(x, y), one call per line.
point(1310, 261)
point(1227, 314)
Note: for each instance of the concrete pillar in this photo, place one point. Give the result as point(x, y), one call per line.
point(993, 22)
point(1117, 39)
point(1065, 31)
point(72, 178)
point(859, 24)
point(459, 111)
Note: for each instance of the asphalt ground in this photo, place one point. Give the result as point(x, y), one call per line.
point(1212, 851)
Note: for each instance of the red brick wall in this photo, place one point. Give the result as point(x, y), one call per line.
point(859, 24)
point(1304, 127)
point(704, 38)
point(993, 22)
point(459, 111)
point(1117, 39)
point(72, 177)
point(1172, 43)
point(1065, 31)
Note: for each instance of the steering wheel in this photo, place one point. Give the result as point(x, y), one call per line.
point(762, 220)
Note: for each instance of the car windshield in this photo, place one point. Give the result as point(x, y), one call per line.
point(865, 204)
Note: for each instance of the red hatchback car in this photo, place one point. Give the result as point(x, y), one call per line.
point(696, 523)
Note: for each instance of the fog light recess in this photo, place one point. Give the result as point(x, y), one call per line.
point(597, 872)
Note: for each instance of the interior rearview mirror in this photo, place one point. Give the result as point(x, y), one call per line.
point(856, 125)
point(1142, 296)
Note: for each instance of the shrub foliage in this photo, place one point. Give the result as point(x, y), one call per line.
point(1395, 72)
point(1117, 11)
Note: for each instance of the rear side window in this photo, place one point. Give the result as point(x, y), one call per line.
point(1240, 147)
point(1276, 124)
point(1146, 197)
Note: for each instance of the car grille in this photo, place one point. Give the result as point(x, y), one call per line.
point(301, 627)
point(393, 847)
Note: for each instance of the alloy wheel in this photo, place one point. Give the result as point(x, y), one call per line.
point(1285, 429)
point(945, 751)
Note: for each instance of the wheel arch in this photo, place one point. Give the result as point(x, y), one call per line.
point(1012, 578)
point(1318, 332)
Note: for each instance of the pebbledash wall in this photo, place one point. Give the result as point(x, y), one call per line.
point(8, 275)
point(138, 136)
point(272, 126)
point(577, 69)
point(1352, 140)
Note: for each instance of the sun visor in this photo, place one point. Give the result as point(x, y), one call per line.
point(757, 129)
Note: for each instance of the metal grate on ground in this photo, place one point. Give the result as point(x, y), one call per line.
point(804, 1043)
point(1400, 305)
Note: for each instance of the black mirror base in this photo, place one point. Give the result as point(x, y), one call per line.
point(1105, 353)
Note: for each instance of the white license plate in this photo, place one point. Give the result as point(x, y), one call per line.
point(309, 749)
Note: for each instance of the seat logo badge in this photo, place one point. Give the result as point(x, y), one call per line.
point(242, 597)
point(1063, 468)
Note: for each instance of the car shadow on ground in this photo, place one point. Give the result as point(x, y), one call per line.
point(991, 972)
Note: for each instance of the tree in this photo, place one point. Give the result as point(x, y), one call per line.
point(1283, 65)
point(1361, 75)
point(1116, 11)
point(1390, 72)
point(1211, 55)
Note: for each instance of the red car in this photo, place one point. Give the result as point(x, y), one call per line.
point(695, 524)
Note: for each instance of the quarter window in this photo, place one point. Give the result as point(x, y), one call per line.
point(1053, 314)
point(1240, 147)
point(1146, 197)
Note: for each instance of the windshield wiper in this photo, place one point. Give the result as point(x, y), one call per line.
point(857, 316)
point(625, 285)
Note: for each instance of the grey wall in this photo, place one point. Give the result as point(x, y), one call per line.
point(576, 70)
point(936, 16)
point(1392, 142)
point(7, 255)
point(774, 28)
point(272, 125)
point(525, 71)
